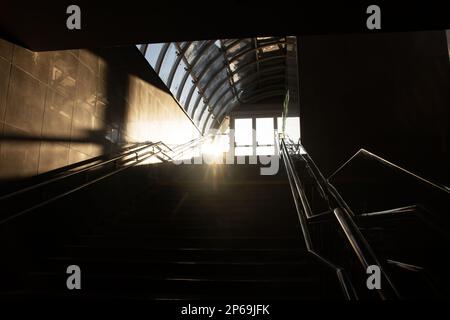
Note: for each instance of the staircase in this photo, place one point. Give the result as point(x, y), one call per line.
point(194, 232)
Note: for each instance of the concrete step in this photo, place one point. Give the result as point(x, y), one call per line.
point(207, 288)
point(229, 255)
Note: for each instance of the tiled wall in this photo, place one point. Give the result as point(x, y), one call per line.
point(61, 107)
point(448, 42)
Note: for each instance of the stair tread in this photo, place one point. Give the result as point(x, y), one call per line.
point(187, 238)
point(218, 278)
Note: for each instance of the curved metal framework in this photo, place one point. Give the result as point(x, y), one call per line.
point(209, 78)
point(270, 76)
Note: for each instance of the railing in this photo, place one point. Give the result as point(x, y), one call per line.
point(129, 157)
point(431, 206)
point(88, 165)
point(341, 213)
point(304, 212)
point(363, 152)
point(179, 151)
point(417, 210)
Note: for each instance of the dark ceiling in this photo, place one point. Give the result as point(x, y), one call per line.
point(41, 25)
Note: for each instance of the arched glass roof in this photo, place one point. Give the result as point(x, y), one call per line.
point(209, 78)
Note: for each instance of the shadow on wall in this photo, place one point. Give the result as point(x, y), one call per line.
point(58, 108)
point(61, 107)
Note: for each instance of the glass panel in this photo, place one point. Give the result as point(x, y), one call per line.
point(220, 104)
point(179, 74)
point(227, 106)
point(221, 95)
point(223, 141)
point(219, 79)
point(271, 48)
point(269, 150)
point(209, 123)
point(186, 89)
point(242, 60)
point(199, 109)
point(292, 127)
point(243, 151)
point(193, 100)
point(140, 47)
point(193, 50)
point(243, 132)
point(211, 53)
point(205, 116)
point(241, 46)
point(169, 60)
point(152, 53)
point(216, 65)
point(265, 131)
point(264, 38)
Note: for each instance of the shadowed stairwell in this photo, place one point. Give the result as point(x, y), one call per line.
point(89, 179)
point(188, 232)
point(222, 231)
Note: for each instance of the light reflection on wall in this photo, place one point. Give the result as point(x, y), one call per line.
point(448, 43)
point(153, 115)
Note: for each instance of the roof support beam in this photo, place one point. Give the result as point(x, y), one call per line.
point(245, 52)
point(229, 72)
point(161, 57)
point(196, 80)
point(206, 45)
point(268, 89)
point(174, 69)
point(240, 69)
point(243, 80)
point(226, 106)
point(205, 69)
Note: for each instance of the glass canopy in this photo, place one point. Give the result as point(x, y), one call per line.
point(210, 78)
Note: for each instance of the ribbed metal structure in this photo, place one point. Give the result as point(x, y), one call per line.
point(210, 78)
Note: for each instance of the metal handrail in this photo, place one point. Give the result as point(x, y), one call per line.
point(64, 194)
point(197, 141)
point(417, 209)
point(73, 173)
point(191, 144)
point(302, 207)
point(343, 215)
point(299, 187)
point(395, 211)
point(391, 165)
point(138, 159)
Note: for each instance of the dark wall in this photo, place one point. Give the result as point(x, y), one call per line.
point(61, 107)
point(388, 93)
